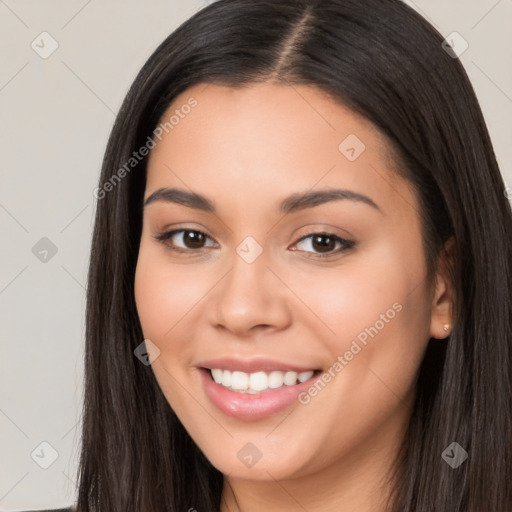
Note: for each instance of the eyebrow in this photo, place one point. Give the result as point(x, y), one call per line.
point(293, 203)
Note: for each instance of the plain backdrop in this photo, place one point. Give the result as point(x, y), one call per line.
point(56, 111)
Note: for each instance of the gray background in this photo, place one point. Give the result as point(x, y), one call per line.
point(56, 115)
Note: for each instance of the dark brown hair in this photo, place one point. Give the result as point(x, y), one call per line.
point(384, 61)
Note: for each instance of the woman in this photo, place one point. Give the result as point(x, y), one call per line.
point(299, 287)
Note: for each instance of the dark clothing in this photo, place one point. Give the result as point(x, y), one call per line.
point(52, 510)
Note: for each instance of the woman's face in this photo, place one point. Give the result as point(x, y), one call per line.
point(334, 283)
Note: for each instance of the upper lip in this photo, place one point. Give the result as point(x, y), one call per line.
point(253, 365)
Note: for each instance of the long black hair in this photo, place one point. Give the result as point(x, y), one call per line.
point(385, 62)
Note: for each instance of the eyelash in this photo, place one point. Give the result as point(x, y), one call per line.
point(345, 244)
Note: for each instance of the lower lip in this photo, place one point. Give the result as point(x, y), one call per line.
point(251, 407)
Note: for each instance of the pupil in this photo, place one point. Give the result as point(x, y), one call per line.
point(322, 246)
point(193, 238)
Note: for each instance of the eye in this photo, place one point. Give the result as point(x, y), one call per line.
point(325, 244)
point(191, 240)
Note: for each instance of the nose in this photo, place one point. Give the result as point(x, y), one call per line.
point(250, 298)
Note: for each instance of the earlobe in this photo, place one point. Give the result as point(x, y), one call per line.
point(446, 328)
point(440, 324)
point(442, 301)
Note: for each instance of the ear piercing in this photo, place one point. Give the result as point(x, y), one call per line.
point(446, 327)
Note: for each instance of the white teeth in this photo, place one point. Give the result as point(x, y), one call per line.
point(217, 375)
point(258, 381)
point(226, 378)
point(239, 381)
point(305, 376)
point(252, 383)
point(275, 379)
point(290, 378)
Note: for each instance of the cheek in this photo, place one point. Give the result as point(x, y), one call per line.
point(376, 347)
point(373, 309)
point(164, 293)
point(151, 297)
point(346, 300)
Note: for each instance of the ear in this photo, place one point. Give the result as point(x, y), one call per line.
point(443, 296)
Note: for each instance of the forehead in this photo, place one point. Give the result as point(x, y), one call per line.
point(266, 139)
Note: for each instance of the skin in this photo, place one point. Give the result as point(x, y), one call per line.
point(246, 149)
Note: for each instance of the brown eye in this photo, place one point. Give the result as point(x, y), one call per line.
point(324, 244)
point(193, 239)
point(183, 240)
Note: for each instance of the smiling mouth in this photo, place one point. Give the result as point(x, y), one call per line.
point(258, 382)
